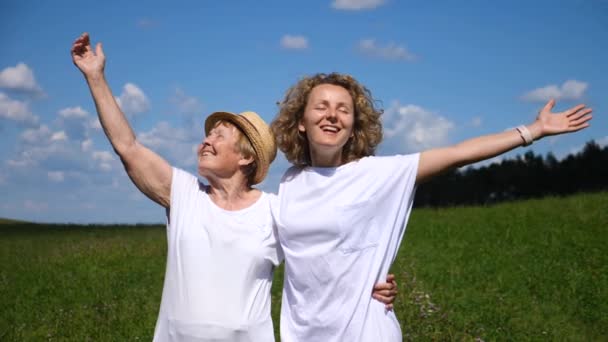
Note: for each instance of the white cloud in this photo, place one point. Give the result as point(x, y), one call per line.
point(75, 122)
point(390, 51)
point(355, 5)
point(45, 149)
point(73, 112)
point(86, 145)
point(147, 23)
point(417, 127)
point(104, 158)
point(185, 103)
point(19, 77)
point(95, 124)
point(36, 206)
point(56, 176)
point(174, 144)
point(133, 100)
point(476, 121)
point(88, 205)
point(603, 142)
point(33, 135)
point(59, 136)
point(48, 150)
point(294, 42)
point(163, 133)
point(19, 163)
point(15, 110)
point(569, 90)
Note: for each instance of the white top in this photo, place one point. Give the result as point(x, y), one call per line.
point(340, 229)
point(219, 268)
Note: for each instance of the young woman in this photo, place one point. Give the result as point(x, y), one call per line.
point(341, 212)
point(222, 247)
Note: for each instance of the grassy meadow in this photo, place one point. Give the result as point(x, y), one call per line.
point(530, 270)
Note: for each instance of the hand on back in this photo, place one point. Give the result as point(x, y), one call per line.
point(89, 62)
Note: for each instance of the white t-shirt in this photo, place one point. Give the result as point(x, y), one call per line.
point(219, 268)
point(340, 229)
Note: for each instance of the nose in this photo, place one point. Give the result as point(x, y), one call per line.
point(331, 115)
point(207, 140)
point(203, 144)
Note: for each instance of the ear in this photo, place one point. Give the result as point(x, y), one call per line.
point(301, 127)
point(245, 161)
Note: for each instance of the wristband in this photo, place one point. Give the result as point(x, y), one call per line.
point(525, 134)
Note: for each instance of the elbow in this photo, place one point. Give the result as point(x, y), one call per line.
point(128, 151)
point(123, 150)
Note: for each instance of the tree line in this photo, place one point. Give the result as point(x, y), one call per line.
point(527, 176)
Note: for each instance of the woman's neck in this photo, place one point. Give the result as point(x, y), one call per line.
point(231, 195)
point(319, 159)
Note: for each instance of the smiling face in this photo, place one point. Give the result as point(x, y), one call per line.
point(328, 122)
point(218, 154)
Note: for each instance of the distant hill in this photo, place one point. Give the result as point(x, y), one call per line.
point(7, 221)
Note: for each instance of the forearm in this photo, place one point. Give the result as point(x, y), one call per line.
point(488, 146)
point(112, 119)
point(436, 161)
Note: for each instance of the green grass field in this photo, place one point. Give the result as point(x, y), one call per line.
point(531, 270)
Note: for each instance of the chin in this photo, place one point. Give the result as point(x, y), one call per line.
point(338, 144)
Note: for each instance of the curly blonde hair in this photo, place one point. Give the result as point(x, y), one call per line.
point(367, 129)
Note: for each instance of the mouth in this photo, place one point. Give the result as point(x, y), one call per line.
point(330, 129)
point(206, 153)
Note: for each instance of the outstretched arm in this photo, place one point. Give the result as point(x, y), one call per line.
point(436, 161)
point(150, 172)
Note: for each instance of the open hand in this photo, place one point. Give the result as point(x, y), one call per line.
point(571, 120)
point(89, 62)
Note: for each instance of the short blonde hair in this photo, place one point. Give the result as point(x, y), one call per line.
point(367, 129)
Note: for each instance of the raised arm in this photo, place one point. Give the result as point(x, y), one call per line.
point(150, 172)
point(439, 160)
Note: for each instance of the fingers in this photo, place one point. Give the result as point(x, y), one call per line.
point(383, 299)
point(579, 113)
point(574, 110)
point(387, 292)
point(549, 106)
point(81, 45)
point(576, 124)
point(99, 50)
point(579, 127)
point(385, 286)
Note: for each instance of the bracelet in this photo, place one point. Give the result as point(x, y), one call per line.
point(525, 134)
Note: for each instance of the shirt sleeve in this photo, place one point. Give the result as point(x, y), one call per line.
point(184, 187)
point(274, 205)
point(394, 177)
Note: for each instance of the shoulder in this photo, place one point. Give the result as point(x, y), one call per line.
point(291, 173)
point(398, 160)
point(184, 183)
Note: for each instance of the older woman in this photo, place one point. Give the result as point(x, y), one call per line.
point(222, 248)
point(341, 213)
point(221, 244)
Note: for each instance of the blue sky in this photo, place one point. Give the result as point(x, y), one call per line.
point(444, 71)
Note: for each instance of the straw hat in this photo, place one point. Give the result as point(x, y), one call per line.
point(258, 133)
